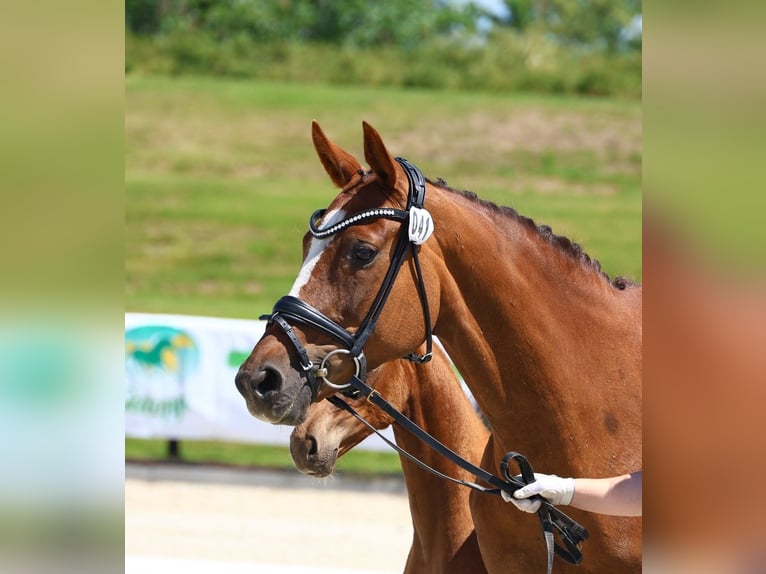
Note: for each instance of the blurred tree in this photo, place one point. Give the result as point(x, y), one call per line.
point(520, 13)
point(595, 24)
point(575, 46)
point(403, 23)
point(142, 16)
point(359, 23)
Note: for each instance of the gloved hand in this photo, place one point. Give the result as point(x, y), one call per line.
point(551, 487)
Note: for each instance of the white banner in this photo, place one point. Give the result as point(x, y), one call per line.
point(179, 381)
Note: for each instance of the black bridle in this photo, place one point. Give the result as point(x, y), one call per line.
point(292, 309)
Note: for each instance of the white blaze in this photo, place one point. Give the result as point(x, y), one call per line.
point(315, 252)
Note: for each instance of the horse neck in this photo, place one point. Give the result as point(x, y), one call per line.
point(526, 322)
point(440, 514)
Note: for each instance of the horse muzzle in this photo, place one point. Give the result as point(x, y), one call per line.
point(310, 456)
point(271, 396)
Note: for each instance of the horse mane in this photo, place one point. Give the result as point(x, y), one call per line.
point(564, 244)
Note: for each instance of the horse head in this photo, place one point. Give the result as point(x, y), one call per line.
point(347, 255)
point(328, 432)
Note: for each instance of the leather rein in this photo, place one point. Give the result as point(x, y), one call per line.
point(291, 309)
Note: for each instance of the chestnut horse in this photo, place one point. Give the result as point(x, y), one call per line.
point(444, 541)
point(549, 346)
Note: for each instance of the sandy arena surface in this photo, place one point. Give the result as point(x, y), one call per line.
point(189, 515)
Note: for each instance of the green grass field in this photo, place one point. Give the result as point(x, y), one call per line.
point(221, 177)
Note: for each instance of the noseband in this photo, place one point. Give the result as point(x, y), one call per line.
point(290, 309)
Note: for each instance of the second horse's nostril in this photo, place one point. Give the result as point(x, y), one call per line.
point(267, 381)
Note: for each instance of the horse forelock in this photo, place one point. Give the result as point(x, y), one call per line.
point(563, 244)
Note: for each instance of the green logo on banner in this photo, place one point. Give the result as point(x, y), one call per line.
point(158, 360)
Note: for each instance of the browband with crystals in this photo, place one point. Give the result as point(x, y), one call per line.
point(356, 219)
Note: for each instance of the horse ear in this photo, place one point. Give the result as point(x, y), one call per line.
point(381, 162)
point(339, 164)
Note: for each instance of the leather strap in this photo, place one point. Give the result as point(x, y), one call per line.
point(338, 402)
point(368, 324)
point(414, 357)
point(571, 532)
point(301, 312)
point(417, 194)
point(306, 364)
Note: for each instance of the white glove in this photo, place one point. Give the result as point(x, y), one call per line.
point(551, 487)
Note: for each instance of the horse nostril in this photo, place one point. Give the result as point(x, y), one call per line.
point(312, 443)
point(267, 381)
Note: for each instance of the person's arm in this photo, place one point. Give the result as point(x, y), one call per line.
point(617, 495)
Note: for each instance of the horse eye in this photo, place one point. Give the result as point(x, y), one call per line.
point(364, 254)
